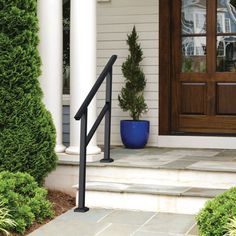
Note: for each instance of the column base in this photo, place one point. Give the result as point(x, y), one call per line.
point(59, 148)
point(91, 150)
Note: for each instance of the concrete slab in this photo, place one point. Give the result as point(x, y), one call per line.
point(103, 222)
point(137, 188)
point(178, 164)
point(157, 189)
point(176, 158)
point(72, 228)
point(118, 230)
point(169, 223)
point(214, 166)
point(128, 217)
point(93, 215)
point(147, 233)
point(194, 152)
point(203, 192)
point(193, 231)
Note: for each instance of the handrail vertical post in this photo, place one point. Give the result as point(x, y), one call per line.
point(107, 131)
point(82, 114)
point(82, 172)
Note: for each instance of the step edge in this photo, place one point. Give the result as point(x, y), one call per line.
point(152, 193)
point(185, 193)
point(98, 165)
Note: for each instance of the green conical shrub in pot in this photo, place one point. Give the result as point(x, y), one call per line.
point(135, 132)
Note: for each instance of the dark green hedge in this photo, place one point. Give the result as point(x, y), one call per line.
point(27, 134)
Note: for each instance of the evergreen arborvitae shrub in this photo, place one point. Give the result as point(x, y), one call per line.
point(131, 97)
point(27, 133)
point(214, 218)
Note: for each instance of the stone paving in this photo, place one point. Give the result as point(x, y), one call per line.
point(104, 222)
point(153, 189)
point(169, 158)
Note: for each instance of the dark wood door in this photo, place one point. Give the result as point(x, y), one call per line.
point(203, 78)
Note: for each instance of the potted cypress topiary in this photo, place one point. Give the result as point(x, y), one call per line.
point(135, 132)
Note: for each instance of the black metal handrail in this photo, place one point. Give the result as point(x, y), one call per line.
point(85, 138)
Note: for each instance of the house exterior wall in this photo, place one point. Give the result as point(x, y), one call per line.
point(115, 20)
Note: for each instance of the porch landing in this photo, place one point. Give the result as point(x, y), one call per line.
point(174, 158)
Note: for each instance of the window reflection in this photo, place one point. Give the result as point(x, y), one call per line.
point(193, 20)
point(194, 46)
point(226, 16)
point(226, 41)
point(193, 17)
point(193, 54)
point(226, 53)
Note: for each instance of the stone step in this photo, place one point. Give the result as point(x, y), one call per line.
point(148, 197)
point(199, 178)
point(170, 167)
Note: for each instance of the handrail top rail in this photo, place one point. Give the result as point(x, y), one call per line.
point(95, 87)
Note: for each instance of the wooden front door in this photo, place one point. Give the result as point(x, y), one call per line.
point(203, 66)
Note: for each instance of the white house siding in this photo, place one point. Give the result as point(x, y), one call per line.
point(115, 20)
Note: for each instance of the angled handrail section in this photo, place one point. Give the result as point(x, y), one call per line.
point(85, 137)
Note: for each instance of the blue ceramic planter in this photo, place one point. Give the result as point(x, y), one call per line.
point(134, 134)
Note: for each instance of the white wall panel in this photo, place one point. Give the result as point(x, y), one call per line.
point(115, 20)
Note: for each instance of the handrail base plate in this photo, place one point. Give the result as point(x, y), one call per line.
point(81, 209)
point(106, 160)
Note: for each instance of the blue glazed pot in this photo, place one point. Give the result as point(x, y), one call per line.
point(134, 134)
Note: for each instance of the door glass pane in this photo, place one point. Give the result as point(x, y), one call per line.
point(193, 54)
point(226, 16)
point(226, 53)
point(193, 17)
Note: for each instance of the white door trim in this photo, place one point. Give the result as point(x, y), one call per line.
point(196, 142)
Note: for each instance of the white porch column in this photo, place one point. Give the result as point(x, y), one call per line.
point(82, 68)
point(51, 51)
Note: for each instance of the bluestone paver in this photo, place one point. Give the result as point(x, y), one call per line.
point(119, 229)
point(128, 217)
point(169, 223)
point(102, 222)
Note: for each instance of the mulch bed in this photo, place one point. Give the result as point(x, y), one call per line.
point(62, 202)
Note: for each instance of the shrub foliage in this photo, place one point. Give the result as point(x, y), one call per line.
point(6, 221)
point(27, 202)
point(27, 134)
point(131, 97)
point(231, 227)
point(213, 219)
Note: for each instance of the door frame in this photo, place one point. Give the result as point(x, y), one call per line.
point(166, 72)
point(165, 67)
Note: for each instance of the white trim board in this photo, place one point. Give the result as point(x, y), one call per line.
point(196, 142)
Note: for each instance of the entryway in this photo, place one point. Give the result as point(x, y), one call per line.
point(197, 67)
